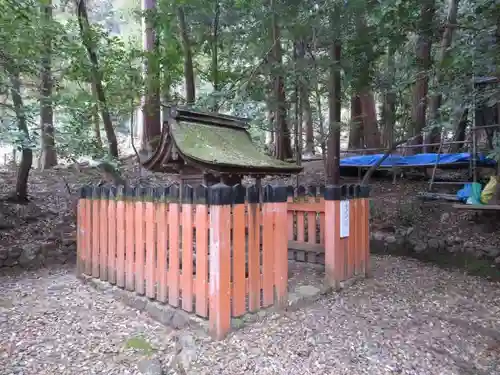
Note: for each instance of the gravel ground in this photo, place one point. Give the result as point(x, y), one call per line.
point(50, 323)
point(410, 318)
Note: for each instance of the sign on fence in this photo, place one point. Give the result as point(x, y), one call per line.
point(344, 218)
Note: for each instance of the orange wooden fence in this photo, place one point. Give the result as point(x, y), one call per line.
point(307, 223)
point(220, 252)
point(205, 254)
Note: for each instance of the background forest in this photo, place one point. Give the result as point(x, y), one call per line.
point(78, 76)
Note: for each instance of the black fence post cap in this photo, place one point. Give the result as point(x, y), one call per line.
point(351, 191)
point(239, 194)
point(220, 195)
point(253, 194)
point(333, 193)
point(268, 193)
point(280, 194)
point(364, 191)
point(200, 195)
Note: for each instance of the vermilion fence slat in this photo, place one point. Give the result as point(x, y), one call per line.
point(162, 239)
point(112, 236)
point(254, 256)
point(201, 220)
point(95, 233)
point(130, 225)
point(268, 253)
point(187, 257)
point(151, 241)
point(173, 254)
point(120, 239)
point(103, 236)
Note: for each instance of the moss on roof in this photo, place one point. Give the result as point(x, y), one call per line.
point(224, 146)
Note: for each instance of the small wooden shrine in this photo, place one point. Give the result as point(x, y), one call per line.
point(208, 148)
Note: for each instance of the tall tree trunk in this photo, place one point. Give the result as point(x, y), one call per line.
point(423, 57)
point(83, 23)
point(356, 138)
point(215, 53)
point(166, 99)
point(308, 122)
point(370, 124)
point(95, 117)
point(389, 115)
point(304, 99)
point(297, 135)
point(188, 57)
point(389, 103)
point(434, 134)
point(334, 112)
point(322, 136)
point(270, 141)
point(297, 131)
point(459, 133)
point(48, 157)
point(21, 194)
point(283, 141)
point(151, 101)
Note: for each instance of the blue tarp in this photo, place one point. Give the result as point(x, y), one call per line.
point(413, 160)
point(470, 193)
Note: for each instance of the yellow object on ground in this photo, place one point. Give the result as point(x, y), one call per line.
point(489, 190)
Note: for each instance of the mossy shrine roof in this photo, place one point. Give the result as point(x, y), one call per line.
point(212, 142)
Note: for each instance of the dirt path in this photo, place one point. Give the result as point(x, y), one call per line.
point(410, 318)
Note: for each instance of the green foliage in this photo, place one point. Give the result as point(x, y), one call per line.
point(369, 32)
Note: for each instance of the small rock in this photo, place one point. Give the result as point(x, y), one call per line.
point(6, 303)
point(187, 341)
point(470, 250)
point(420, 248)
point(250, 318)
point(69, 242)
point(433, 243)
point(307, 290)
point(4, 254)
point(179, 320)
point(185, 358)
point(49, 246)
point(445, 217)
point(162, 314)
point(136, 302)
point(293, 298)
point(390, 239)
point(237, 323)
point(409, 231)
point(497, 260)
point(469, 244)
point(150, 367)
point(492, 251)
point(9, 262)
point(27, 257)
point(14, 252)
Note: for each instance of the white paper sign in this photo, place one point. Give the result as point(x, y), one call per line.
point(344, 219)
